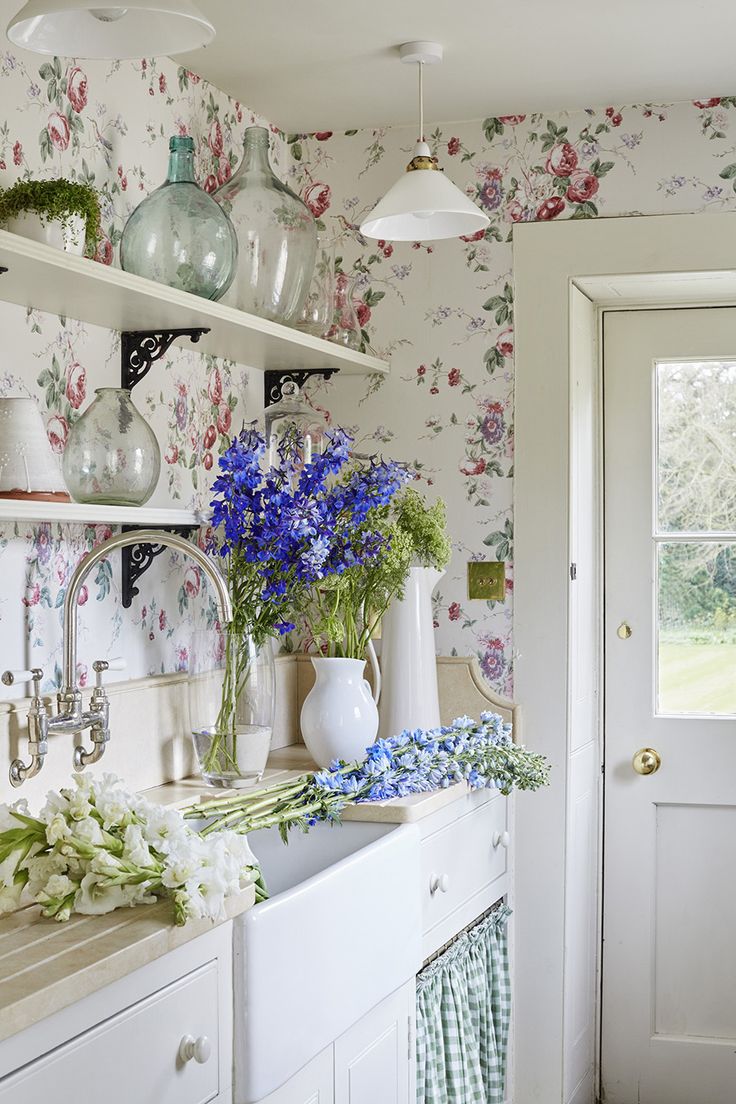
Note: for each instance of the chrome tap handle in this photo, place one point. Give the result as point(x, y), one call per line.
point(38, 721)
point(34, 675)
point(101, 665)
point(98, 716)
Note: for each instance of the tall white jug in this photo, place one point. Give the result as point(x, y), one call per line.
point(409, 696)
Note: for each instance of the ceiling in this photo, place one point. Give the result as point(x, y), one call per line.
point(332, 64)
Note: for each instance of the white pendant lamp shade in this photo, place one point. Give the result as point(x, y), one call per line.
point(423, 204)
point(100, 29)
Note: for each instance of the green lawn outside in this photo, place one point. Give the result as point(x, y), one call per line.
point(697, 678)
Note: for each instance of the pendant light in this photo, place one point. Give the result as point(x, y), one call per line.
point(100, 29)
point(423, 205)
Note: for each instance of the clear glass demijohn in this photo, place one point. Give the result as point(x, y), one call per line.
point(178, 235)
point(111, 455)
point(277, 236)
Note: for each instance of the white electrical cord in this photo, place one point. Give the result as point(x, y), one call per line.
point(421, 101)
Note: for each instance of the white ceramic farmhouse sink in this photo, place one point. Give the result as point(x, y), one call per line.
point(340, 931)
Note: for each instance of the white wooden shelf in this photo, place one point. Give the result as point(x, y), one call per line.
point(50, 280)
point(80, 513)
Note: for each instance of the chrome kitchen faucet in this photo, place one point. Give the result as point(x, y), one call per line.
point(70, 716)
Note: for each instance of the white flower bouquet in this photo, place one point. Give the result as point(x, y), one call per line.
point(95, 847)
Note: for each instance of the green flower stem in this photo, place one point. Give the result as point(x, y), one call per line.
point(218, 803)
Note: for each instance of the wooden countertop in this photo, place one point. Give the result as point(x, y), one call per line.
point(46, 965)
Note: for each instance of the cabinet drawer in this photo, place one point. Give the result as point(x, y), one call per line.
point(133, 1057)
point(461, 861)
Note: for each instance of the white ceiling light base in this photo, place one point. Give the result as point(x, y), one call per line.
point(423, 205)
point(424, 53)
point(100, 29)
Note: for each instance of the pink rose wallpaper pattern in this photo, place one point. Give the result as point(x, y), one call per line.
point(109, 124)
point(442, 311)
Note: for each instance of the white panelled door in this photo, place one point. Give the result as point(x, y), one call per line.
point(669, 924)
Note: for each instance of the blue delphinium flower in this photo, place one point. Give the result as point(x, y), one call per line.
point(482, 754)
point(286, 528)
point(423, 760)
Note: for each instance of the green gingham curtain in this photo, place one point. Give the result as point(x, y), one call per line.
point(463, 1013)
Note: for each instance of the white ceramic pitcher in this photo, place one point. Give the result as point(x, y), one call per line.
point(409, 697)
point(339, 717)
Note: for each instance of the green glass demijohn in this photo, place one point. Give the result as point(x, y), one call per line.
point(178, 235)
point(277, 236)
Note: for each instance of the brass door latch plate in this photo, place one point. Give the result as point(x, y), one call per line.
point(487, 580)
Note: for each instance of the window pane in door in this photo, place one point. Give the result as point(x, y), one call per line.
point(696, 639)
point(696, 446)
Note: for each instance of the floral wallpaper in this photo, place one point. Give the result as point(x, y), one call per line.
point(109, 124)
point(444, 311)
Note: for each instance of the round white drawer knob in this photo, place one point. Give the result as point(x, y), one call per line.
point(501, 838)
point(199, 1049)
point(439, 882)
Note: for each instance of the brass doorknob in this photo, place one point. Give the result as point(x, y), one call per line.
point(646, 761)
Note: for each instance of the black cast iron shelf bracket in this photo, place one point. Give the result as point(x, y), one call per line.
point(137, 558)
point(140, 349)
point(273, 381)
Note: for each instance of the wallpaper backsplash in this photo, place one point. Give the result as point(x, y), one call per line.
point(109, 124)
point(442, 311)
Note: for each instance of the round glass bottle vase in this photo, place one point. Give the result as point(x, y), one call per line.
point(179, 236)
point(111, 456)
point(277, 236)
point(232, 700)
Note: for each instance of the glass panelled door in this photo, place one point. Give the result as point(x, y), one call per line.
point(669, 952)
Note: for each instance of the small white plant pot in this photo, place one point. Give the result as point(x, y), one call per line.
point(28, 467)
point(339, 718)
point(67, 234)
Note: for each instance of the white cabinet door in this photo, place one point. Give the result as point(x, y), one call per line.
point(315, 1084)
point(374, 1060)
point(669, 956)
point(135, 1057)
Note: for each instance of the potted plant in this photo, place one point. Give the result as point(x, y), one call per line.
point(59, 213)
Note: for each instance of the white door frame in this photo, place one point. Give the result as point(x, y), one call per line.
point(566, 274)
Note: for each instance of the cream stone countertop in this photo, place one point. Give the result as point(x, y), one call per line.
point(290, 762)
point(46, 965)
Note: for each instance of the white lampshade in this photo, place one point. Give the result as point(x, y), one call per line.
point(100, 29)
point(423, 205)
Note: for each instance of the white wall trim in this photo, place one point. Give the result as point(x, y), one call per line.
point(672, 260)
